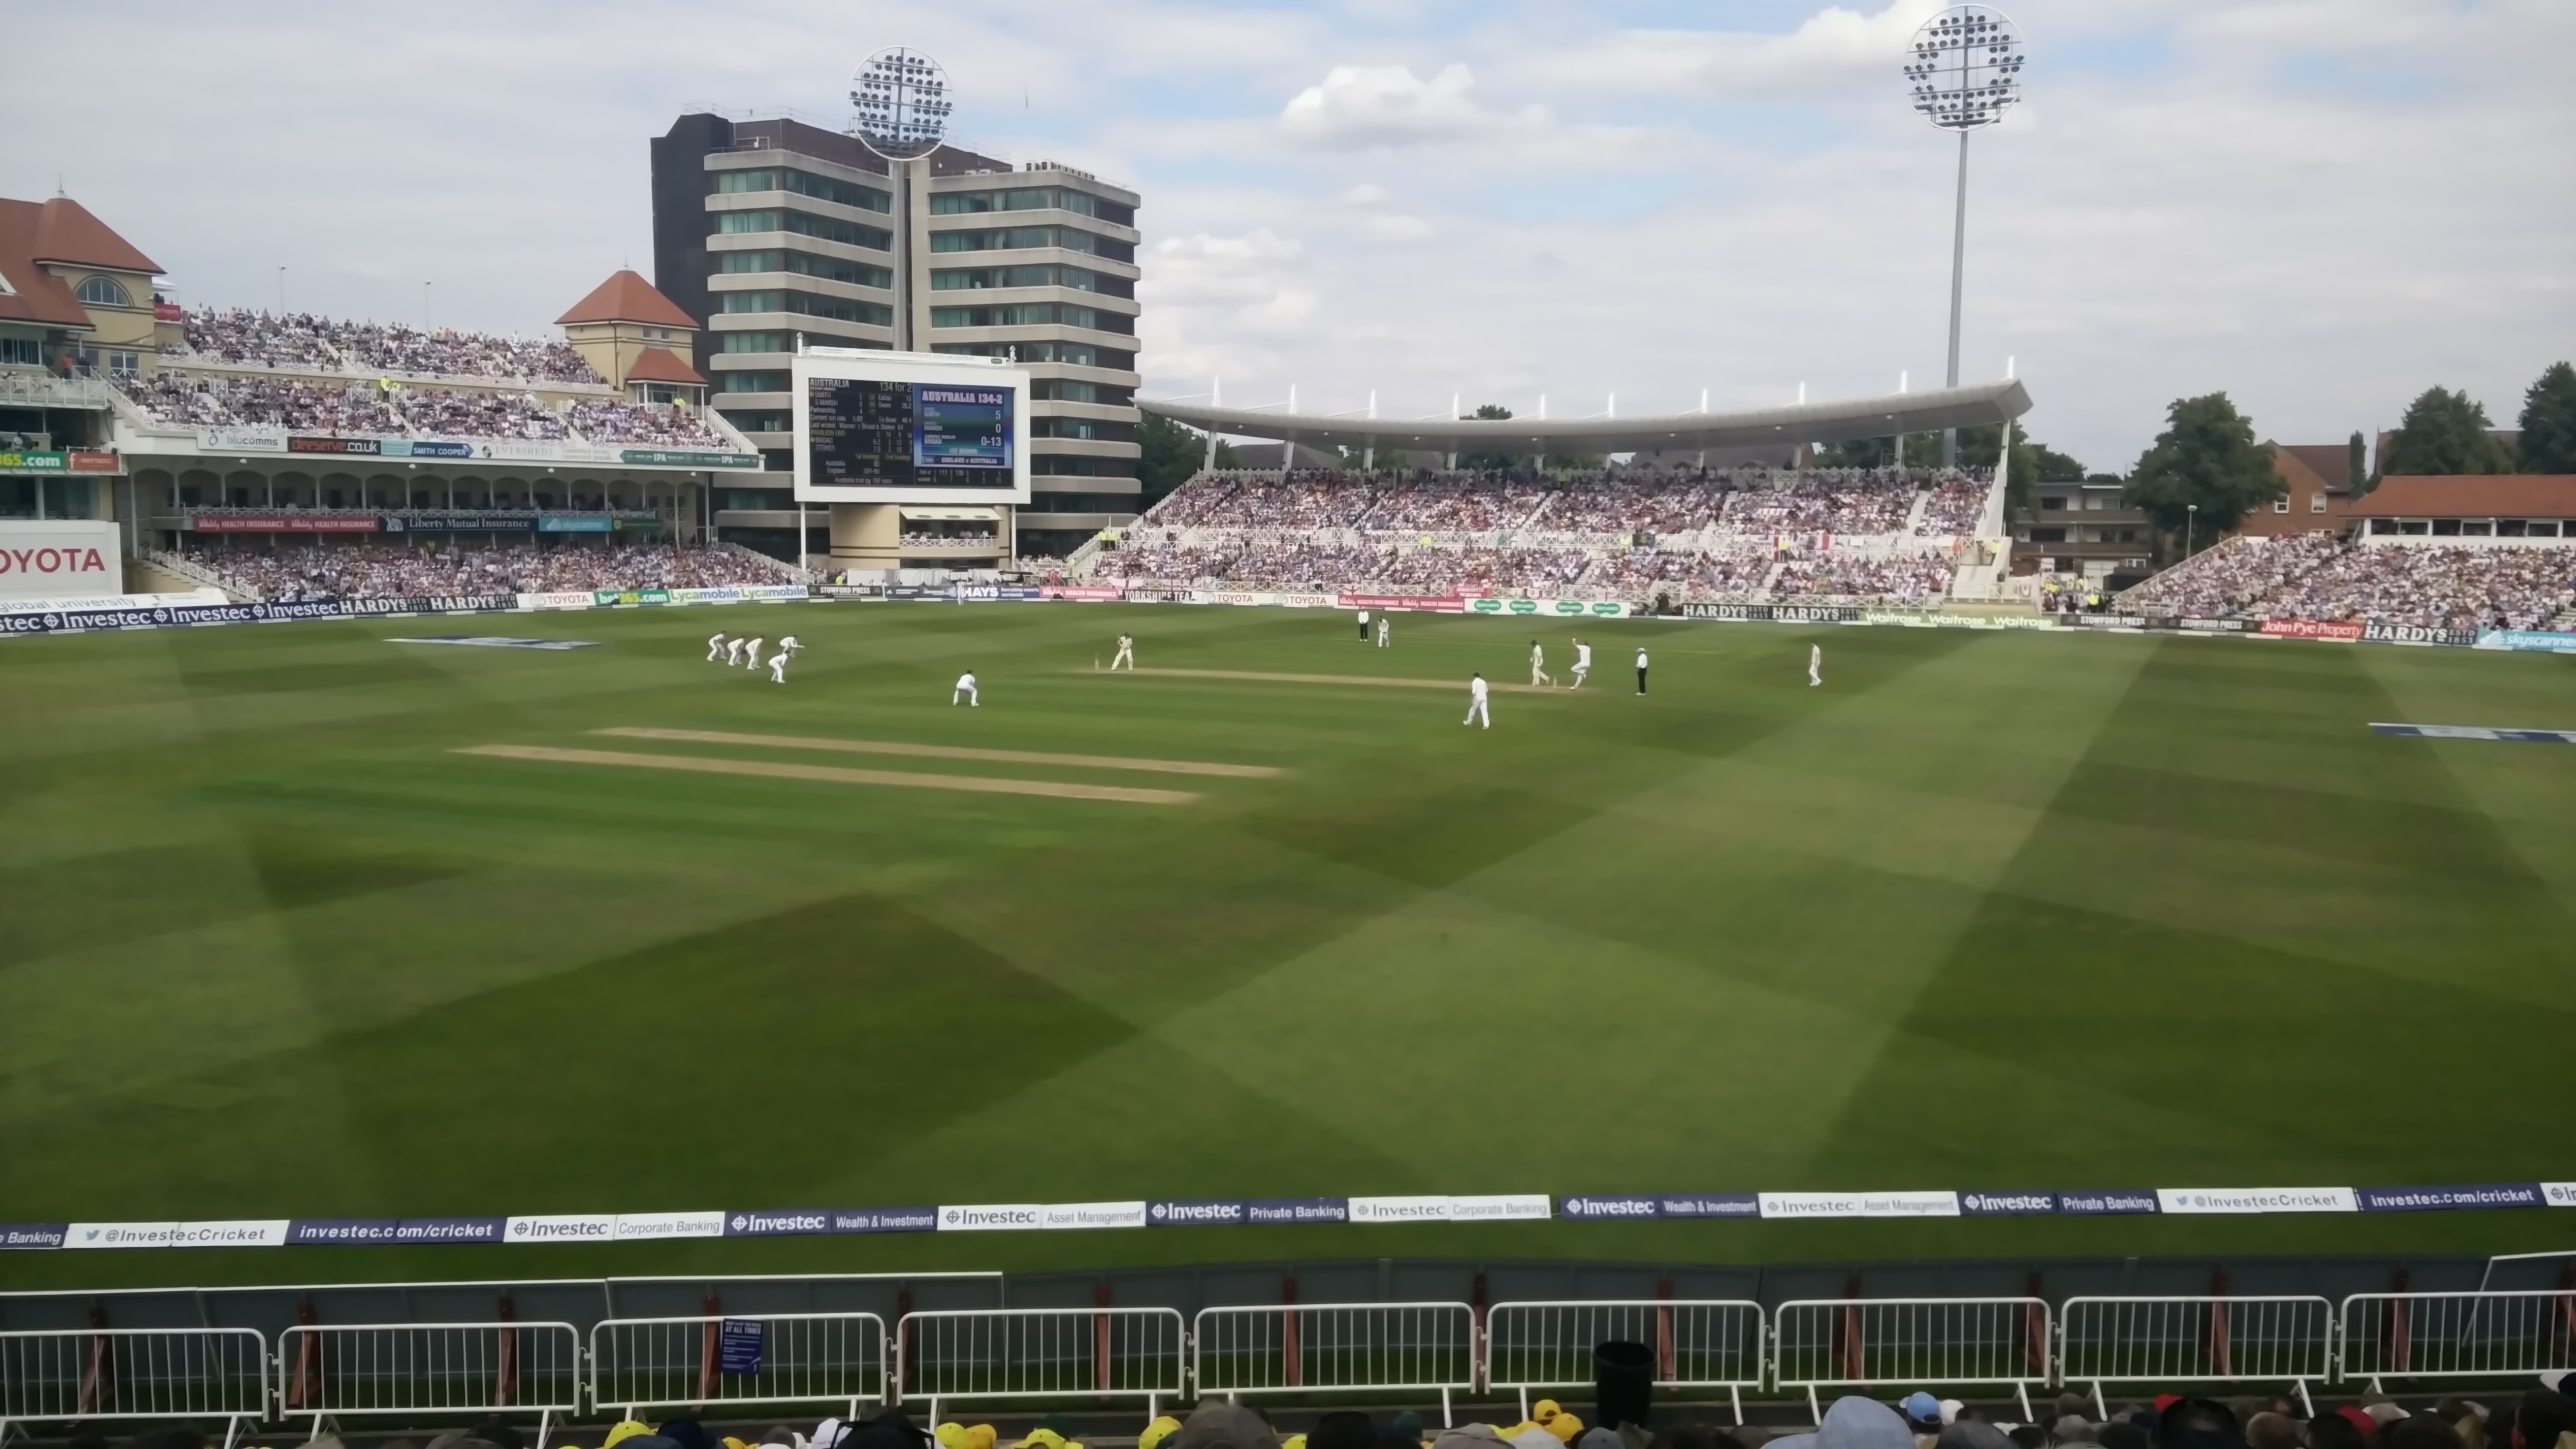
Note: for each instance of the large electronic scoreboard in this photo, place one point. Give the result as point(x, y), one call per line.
point(909, 428)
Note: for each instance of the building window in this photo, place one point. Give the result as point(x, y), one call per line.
point(754, 381)
point(104, 292)
point(762, 421)
point(2048, 503)
point(21, 352)
point(2280, 505)
point(1063, 428)
point(754, 341)
point(1057, 389)
point(2317, 502)
point(124, 364)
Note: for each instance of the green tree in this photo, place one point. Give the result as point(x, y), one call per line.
point(2549, 422)
point(1172, 452)
point(2445, 433)
point(2205, 457)
point(1477, 462)
point(2356, 467)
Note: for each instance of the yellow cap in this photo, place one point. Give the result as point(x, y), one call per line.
point(1158, 1431)
point(1293, 1441)
point(950, 1436)
point(1566, 1427)
point(1048, 1437)
point(1547, 1409)
point(980, 1436)
point(627, 1430)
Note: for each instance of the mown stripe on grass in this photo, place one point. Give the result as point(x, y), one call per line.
point(829, 774)
point(945, 752)
point(1376, 680)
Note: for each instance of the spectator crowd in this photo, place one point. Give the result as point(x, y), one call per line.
point(332, 344)
point(368, 409)
point(2319, 578)
point(381, 569)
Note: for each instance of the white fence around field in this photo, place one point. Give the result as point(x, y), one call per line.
point(2457, 1335)
point(1042, 1353)
point(1919, 1343)
point(2195, 1340)
point(836, 1359)
point(1698, 1343)
point(433, 1370)
point(1336, 1347)
point(133, 1373)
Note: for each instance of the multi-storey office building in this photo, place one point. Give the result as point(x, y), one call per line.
point(769, 230)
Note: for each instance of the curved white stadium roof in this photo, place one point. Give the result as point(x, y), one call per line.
point(1909, 412)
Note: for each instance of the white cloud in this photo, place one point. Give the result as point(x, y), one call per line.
point(1387, 105)
point(1833, 48)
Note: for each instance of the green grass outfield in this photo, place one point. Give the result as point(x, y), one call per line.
point(1987, 911)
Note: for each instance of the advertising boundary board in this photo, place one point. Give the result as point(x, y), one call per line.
point(1803, 1206)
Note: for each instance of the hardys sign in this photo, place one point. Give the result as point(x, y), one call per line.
point(1773, 613)
point(59, 559)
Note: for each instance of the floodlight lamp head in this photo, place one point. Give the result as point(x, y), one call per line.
point(899, 104)
point(1964, 68)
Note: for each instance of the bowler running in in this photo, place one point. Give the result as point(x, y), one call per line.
point(1582, 662)
point(1538, 665)
point(1477, 712)
point(1126, 653)
point(965, 690)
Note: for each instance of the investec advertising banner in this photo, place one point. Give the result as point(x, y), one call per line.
point(75, 621)
point(58, 559)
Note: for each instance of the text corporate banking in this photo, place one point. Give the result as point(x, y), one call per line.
point(1273, 1212)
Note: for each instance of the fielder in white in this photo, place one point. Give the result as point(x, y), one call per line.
point(1126, 653)
point(789, 645)
point(733, 651)
point(1477, 712)
point(751, 654)
point(1382, 631)
point(1538, 665)
point(778, 667)
point(1815, 665)
point(966, 690)
point(1582, 662)
point(715, 646)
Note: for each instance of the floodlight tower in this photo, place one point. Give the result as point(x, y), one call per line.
point(899, 109)
point(1964, 71)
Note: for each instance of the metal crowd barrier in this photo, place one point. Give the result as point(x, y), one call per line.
point(1924, 1343)
point(334, 1371)
point(1326, 1348)
point(1698, 1344)
point(134, 1373)
point(2457, 1335)
point(1042, 1353)
point(2195, 1340)
point(729, 1360)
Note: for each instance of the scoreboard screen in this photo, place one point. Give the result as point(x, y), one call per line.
point(880, 433)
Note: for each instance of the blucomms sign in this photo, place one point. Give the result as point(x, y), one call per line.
point(66, 559)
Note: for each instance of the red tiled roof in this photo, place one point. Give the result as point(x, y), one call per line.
point(34, 295)
point(66, 232)
point(2330, 462)
point(2499, 495)
point(658, 364)
point(627, 297)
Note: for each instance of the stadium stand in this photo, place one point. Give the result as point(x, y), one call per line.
point(366, 409)
point(1884, 536)
point(331, 344)
point(2321, 578)
point(384, 570)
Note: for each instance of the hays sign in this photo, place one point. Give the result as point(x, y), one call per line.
point(58, 560)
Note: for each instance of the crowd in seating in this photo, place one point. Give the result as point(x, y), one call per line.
point(2321, 578)
point(1830, 500)
point(381, 569)
point(646, 424)
point(303, 339)
point(365, 409)
point(1957, 504)
point(1305, 500)
point(1917, 580)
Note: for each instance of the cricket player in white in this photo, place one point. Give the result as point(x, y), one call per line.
point(778, 666)
point(966, 689)
point(1364, 626)
point(751, 654)
point(1382, 631)
point(1126, 653)
point(789, 645)
point(1582, 662)
point(733, 651)
point(1538, 665)
point(1815, 665)
point(715, 646)
point(1476, 709)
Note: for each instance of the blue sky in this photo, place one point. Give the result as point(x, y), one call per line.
point(2319, 206)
